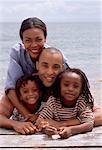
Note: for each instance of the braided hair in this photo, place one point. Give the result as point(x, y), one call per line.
point(85, 92)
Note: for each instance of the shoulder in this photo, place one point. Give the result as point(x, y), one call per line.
point(18, 47)
point(81, 104)
point(51, 100)
point(17, 50)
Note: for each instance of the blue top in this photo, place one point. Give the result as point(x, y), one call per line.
point(20, 64)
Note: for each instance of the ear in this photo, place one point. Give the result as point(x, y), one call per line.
point(44, 40)
point(37, 65)
point(63, 67)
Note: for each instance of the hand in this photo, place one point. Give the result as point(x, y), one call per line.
point(65, 132)
point(24, 127)
point(49, 130)
point(32, 118)
point(41, 124)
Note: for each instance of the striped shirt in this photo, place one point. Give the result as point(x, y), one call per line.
point(55, 110)
point(17, 116)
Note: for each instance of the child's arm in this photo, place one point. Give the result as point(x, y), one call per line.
point(16, 103)
point(66, 132)
point(69, 122)
point(58, 124)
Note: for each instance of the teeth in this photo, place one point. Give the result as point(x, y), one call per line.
point(49, 79)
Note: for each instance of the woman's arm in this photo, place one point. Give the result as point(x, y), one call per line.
point(20, 127)
point(6, 110)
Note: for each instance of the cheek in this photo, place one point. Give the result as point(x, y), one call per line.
point(79, 91)
point(22, 98)
point(57, 72)
point(26, 46)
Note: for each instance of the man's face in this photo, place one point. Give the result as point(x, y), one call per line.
point(49, 66)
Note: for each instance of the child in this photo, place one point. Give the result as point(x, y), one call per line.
point(67, 104)
point(28, 89)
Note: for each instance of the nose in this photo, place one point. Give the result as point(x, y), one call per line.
point(70, 88)
point(50, 71)
point(33, 44)
point(30, 92)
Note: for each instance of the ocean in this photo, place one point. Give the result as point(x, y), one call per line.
point(79, 42)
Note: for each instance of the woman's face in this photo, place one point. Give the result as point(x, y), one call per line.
point(33, 40)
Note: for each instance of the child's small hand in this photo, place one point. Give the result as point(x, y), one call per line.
point(49, 130)
point(24, 127)
point(41, 124)
point(65, 132)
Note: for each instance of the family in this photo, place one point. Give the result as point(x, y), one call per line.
point(42, 92)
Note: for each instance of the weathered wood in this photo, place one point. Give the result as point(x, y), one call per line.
point(50, 148)
point(10, 139)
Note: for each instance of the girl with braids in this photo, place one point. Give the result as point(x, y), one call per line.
point(72, 100)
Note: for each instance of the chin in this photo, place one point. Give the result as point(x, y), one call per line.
point(31, 103)
point(48, 85)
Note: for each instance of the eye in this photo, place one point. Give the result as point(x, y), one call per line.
point(76, 86)
point(56, 67)
point(25, 91)
point(35, 90)
point(27, 40)
point(66, 84)
point(38, 39)
point(44, 65)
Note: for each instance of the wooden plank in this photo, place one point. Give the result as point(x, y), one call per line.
point(51, 148)
point(9, 139)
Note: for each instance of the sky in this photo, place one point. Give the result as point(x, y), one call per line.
point(51, 10)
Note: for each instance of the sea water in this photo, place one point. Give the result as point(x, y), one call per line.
point(79, 42)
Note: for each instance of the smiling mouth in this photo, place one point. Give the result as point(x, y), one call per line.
point(69, 95)
point(34, 50)
point(49, 79)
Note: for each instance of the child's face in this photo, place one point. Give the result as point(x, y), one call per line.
point(29, 92)
point(34, 40)
point(49, 66)
point(71, 86)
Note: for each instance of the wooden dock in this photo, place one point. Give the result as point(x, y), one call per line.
point(10, 140)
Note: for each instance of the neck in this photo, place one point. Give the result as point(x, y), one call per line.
point(31, 107)
point(67, 103)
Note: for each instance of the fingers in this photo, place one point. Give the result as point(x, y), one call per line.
point(30, 128)
point(41, 124)
point(65, 132)
point(25, 128)
point(49, 130)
